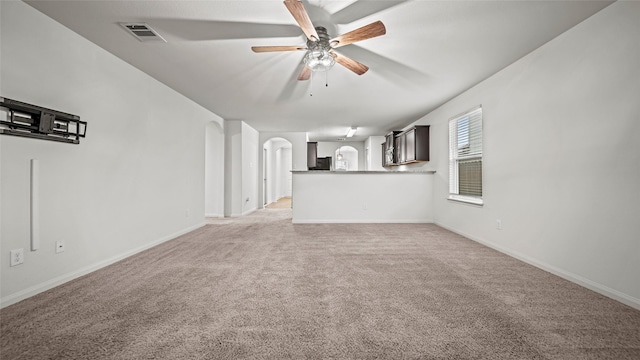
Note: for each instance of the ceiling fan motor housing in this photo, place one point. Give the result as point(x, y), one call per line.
point(322, 43)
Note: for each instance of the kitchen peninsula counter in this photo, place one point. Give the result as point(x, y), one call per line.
point(324, 196)
point(359, 172)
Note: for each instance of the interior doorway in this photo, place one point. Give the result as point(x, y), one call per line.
point(276, 170)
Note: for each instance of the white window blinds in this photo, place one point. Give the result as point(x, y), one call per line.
point(465, 156)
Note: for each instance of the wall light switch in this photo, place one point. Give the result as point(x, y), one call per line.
point(59, 247)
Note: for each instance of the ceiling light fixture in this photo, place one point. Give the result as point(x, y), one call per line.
point(318, 56)
point(352, 131)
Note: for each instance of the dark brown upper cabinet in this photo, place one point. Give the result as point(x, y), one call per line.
point(412, 145)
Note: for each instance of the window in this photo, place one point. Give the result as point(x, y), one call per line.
point(465, 157)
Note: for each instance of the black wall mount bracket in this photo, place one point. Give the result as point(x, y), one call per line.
point(32, 121)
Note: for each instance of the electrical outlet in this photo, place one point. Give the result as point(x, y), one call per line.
point(364, 205)
point(59, 247)
point(17, 257)
point(499, 224)
point(187, 213)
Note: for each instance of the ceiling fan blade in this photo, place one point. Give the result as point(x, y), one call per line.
point(260, 49)
point(366, 32)
point(305, 74)
point(296, 9)
point(349, 63)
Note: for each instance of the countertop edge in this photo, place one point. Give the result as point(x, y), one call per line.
point(359, 172)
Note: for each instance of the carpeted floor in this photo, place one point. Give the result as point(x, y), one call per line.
point(259, 287)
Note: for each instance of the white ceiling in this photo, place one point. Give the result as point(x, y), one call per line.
point(433, 51)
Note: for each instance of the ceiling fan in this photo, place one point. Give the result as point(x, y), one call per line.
point(321, 55)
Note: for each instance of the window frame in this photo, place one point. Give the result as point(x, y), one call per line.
point(454, 153)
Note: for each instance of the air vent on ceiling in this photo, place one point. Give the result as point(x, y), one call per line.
point(142, 32)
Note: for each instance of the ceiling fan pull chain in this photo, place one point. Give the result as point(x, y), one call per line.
point(326, 78)
point(311, 84)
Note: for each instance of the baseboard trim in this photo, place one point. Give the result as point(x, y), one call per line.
point(574, 278)
point(243, 213)
point(362, 221)
point(249, 211)
point(214, 215)
point(57, 281)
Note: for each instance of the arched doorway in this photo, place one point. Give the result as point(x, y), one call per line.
point(346, 158)
point(276, 170)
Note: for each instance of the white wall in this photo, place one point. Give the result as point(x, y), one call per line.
point(250, 166)
point(136, 179)
point(282, 170)
point(233, 200)
point(561, 156)
point(268, 159)
point(214, 170)
point(284, 175)
point(373, 153)
point(241, 169)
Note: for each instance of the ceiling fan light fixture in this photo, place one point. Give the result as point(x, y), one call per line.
point(319, 60)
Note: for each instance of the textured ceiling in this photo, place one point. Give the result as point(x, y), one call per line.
point(433, 51)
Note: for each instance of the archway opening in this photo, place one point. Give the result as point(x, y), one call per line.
point(346, 159)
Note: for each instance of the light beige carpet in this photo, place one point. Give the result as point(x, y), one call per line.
point(259, 287)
